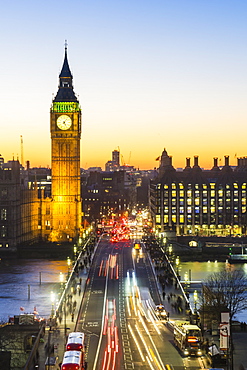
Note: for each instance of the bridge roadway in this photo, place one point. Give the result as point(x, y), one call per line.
point(118, 336)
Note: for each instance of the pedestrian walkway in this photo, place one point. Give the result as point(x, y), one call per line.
point(171, 292)
point(57, 330)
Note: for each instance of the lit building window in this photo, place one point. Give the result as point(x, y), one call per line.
point(197, 210)
point(158, 219)
point(212, 202)
point(220, 193)
point(212, 193)
point(181, 202)
point(244, 201)
point(166, 219)
point(235, 185)
point(173, 201)
point(181, 219)
point(204, 186)
point(244, 185)
point(181, 193)
point(174, 218)
point(204, 209)
point(189, 201)
point(212, 185)
point(3, 231)
point(220, 202)
point(243, 209)
point(212, 209)
point(197, 201)
point(173, 185)
point(181, 209)
point(165, 186)
point(189, 193)
point(189, 209)
point(181, 186)
point(3, 214)
point(166, 209)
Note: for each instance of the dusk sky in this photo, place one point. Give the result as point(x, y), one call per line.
point(149, 75)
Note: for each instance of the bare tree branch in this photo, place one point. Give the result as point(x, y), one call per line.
point(226, 290)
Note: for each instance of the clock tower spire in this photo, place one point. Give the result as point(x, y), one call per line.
point(65, 128)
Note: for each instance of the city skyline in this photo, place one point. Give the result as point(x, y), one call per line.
point(148, 76)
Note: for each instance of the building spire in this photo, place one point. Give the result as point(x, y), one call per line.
point(65, 90)
point(65, 72)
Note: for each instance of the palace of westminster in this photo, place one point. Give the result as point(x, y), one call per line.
point(56, 205)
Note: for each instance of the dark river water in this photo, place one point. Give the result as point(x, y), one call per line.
point(20, 287)
point(18, 277)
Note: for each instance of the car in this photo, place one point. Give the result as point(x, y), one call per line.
point(161, 312)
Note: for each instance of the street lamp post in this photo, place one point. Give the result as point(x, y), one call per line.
point(186, 282)
point(195, 300)
point(177, 265)
point(65, 323)
point(61, 279)
point(69, 264)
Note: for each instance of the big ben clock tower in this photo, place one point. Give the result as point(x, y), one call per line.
point(65, 127)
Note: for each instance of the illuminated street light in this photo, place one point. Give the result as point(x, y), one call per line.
point(177, 265)
point(195, 299)
point(69, 264)
point(170, 250)
point(61, 279)
point(75, 252)
point(186, 279)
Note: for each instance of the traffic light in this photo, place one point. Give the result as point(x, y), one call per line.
point(230, 251)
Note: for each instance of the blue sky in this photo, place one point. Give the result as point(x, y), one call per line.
point(149, 75)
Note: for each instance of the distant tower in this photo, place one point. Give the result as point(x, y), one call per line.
point(65, 128)
point(115, 157)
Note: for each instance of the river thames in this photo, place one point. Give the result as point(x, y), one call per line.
point(26, 284)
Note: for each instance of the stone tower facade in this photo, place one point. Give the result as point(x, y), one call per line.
point(65, 128)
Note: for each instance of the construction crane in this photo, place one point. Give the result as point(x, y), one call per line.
point(22, 159)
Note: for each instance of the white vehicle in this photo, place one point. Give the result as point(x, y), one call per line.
point(161, 312)
point(72, 360)
point(188, 338)
point(75, 342)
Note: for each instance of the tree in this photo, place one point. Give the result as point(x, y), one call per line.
point(225, 291)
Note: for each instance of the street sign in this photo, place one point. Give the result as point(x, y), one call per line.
point(224, 335)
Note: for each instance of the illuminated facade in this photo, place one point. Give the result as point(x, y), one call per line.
point(200, 202)
point(65, 128)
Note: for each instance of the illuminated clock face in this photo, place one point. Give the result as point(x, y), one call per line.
point(64, 122)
